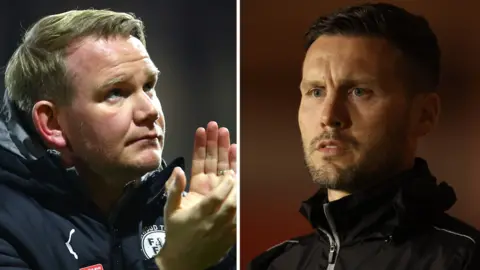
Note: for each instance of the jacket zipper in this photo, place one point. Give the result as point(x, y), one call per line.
point(332, 250)
point(116, 256)
point(333, 239)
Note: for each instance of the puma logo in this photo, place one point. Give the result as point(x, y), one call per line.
point(69, 247)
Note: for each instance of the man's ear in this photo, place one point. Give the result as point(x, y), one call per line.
point(429, 113)
point(46, 122)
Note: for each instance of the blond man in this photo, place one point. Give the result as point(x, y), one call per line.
point(83, 182)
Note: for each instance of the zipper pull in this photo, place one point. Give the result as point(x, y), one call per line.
point(331, 254)
point(389, 239)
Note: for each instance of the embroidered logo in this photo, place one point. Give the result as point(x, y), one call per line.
point(69, 247)
point(153, 239)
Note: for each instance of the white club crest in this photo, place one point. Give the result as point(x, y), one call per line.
point(153, 239)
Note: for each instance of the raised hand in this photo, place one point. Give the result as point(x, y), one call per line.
point(213, 155)
point(199, 229)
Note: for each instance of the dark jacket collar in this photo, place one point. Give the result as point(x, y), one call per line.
point(47, 181)
point(399, 206)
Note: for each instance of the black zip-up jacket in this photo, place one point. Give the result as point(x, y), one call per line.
point(399, 225)
point(48, 222)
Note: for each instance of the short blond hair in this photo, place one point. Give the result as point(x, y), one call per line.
point(37, 70)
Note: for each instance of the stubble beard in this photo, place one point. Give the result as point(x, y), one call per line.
point(379, 162)
point(95, 161)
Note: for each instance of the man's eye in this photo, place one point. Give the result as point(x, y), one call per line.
point(359, 92)
point(149, 87)
point(114, 94)
point(149, 90)
point(316, 92)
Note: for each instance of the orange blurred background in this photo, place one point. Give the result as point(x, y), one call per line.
point(274, 181)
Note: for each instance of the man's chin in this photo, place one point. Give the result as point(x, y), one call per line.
point(146, 161)
point(331, 174)
point(150, 164)
point(332, 165)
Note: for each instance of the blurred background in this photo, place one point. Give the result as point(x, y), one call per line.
point(192, 43)
point(274, 180)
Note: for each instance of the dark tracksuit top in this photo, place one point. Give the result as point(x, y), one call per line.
point(47, 222)
point(398, 225)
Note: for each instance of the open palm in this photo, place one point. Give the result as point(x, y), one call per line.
point(212, 154)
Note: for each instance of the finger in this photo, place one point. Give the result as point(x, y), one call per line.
point(232, 157)
point(225, 219)
point(214, 200)
point(228, 209)
point(199, 151)
point(214, 181)
point(211, 159)
point(177, 182)
point(223, 147)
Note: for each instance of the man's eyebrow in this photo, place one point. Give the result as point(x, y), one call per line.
point(155, 72)
point(112, 81)
point(309, 83)
point(344, 82)
point(151, 74)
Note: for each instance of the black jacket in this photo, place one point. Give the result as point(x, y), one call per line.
point(400, 225)
point(47, 220)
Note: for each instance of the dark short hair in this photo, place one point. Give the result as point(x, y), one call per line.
point(409, 33)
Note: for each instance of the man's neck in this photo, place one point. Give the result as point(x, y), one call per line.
point(104, 192)
point(334, 195)
point(103, 195)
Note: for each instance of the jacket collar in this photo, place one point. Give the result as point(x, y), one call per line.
point(399, 206)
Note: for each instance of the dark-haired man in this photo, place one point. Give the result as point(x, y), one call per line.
point(368, 94)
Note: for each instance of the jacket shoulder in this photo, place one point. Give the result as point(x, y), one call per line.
point(456, 232)
point(459, 239)
point(17, 210)
point(20, 234)
point(263, 260)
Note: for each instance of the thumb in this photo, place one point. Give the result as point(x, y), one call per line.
point(177, 183)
